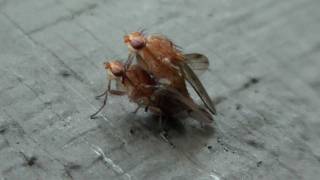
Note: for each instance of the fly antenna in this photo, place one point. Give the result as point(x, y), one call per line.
point(143, 31)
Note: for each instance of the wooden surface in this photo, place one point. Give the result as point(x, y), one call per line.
point(264, 71)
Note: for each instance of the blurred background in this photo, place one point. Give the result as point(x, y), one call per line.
point(264, 74)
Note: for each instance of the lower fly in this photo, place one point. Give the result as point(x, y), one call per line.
point(142, 89)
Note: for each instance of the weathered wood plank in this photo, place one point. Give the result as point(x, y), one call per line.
point(264, 66)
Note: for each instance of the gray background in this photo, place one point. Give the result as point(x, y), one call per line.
point(264, 71)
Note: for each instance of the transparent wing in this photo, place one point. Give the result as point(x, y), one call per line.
point(141, 62)
point(129, 61)
point(171, 101)
point(199, 63)
point(194, 81)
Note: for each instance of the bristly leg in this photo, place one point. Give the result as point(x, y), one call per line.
point(99, 96)
point(163, 132)
point(129, 61)
point(104, 101)
point(93, 116)
point(164, 136)
point(116, 92)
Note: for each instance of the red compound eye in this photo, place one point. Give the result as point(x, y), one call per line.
point(137, 44)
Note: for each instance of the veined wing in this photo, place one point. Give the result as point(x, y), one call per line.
point(194, 81)
point(199, 63)
point(170, 100)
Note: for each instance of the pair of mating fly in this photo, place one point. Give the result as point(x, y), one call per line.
point(158, 81)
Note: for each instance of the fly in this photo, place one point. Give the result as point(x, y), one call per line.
point(144, 90)
point(160, 57)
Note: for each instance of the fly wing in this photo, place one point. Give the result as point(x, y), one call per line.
point(199, 63)
point(141, 62)
point(128, 63)
point(170, 100)
point(194, 81)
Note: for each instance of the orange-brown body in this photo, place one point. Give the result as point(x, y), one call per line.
point(145, 91)
point(139, 84)
point(160, 57)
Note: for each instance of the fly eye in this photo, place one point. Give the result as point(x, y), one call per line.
point(137, 44)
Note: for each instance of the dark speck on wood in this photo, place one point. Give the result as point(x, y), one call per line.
point(65, 74)
point(3, 129)
point(251, 82)
point(31, 161)
point(255, 144)
point(238, 106)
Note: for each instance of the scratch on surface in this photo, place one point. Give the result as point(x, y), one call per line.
point(36, 93)
point(75, 74)
point(78, 50)
point(109, 161)
point(215, 177)
point(23, 135)
point(76, 92)
point(82, 134)
point(212, 174)
point(91, 34)
point(65, 18)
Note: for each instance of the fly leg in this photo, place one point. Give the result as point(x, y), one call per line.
point(140, 103)
point(111, 91)
point(93, 116)
point(137, 109)
point(116, 92)
point(163, 132)
point(140, 106)
point(158, 112)
point(104, 100)
point(100, 95)
point(129, 61)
